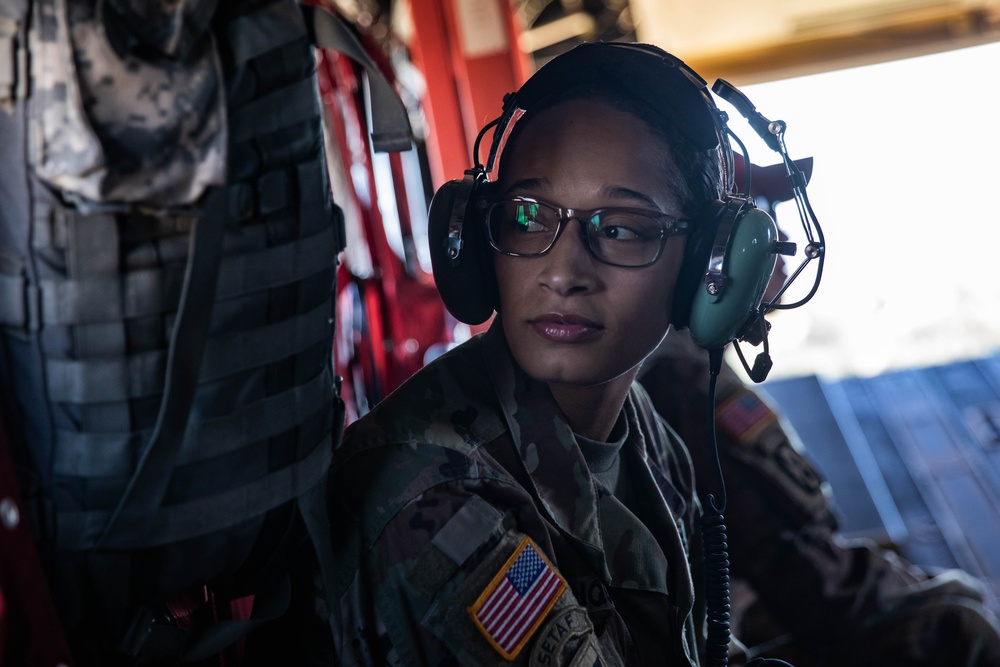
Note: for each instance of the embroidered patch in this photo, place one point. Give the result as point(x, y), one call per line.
point(567, 633)
point(515, 602)
point(744, 416)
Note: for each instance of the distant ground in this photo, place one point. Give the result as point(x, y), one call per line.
point(887, 332)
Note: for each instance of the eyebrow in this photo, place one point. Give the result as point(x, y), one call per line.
point(610, 191)
point(620, 192)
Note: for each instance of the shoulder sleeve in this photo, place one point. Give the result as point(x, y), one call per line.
point(452, 580)
point(381, 611)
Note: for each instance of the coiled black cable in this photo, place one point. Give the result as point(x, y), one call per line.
point(713, 532)
point(713, 535)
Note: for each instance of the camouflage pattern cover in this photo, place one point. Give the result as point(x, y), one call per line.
point(436, 488)
point(111, 126)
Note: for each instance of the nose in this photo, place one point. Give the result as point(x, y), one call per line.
point(569, 267)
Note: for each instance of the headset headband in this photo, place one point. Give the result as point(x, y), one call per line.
point(646, 72)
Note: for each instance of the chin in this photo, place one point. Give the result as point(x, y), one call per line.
point(571, 372)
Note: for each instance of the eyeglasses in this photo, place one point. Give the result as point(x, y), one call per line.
point(523, 227)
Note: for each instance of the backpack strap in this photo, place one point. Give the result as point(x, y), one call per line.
point(262, 30)
point(13, 59)
point(18, 303)
point(391, 129)
point(145, 491)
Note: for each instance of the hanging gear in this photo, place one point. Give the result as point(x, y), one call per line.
point(168, 249)
point(389, 313)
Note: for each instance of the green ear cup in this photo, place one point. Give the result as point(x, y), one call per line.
point(717, 319)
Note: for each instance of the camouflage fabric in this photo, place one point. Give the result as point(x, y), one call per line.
point(836, 601)
point(436, 488)
point(111, 125)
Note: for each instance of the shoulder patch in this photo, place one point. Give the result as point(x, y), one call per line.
point(517, 599)
point(567, 639)
point(744, 415)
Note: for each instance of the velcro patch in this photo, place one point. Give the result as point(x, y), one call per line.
point(517, 599)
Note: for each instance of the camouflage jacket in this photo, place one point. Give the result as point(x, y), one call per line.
point(464, 487)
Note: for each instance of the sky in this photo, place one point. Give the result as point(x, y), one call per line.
point(905, 173)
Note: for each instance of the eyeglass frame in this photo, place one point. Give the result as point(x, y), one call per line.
point(565, 214)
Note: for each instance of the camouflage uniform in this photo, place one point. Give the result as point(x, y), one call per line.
point(844, 602)
point(437, 488)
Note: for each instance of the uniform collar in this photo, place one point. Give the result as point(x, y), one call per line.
point(565, 487)
point(545, 443)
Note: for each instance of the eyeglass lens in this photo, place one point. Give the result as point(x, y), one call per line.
point(617, 236)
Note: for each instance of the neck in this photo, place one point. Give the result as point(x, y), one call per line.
point(592, 411)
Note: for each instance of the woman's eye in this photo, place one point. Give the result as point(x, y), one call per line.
point(618, 233)
point(618, 230)
point(623, 227)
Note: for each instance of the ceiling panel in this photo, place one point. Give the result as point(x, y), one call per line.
point(748, 42)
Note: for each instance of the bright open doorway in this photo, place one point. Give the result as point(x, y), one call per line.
point(907, 164)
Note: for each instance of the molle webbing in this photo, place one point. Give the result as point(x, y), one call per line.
point(202, 515)
point(146, 292)
point(110, 454)
point(142, 374)
point(97, 296)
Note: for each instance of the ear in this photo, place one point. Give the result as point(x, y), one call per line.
point(461, 257)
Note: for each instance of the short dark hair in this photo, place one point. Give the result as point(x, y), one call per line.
point(700, 178)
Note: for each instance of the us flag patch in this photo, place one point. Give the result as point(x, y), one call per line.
point(515, 602)
point(743, 416)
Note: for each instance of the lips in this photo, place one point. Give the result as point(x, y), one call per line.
point(560, 328)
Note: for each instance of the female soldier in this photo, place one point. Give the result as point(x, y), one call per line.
point(518, 500)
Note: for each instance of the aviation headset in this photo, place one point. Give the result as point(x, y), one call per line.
point(730, 251)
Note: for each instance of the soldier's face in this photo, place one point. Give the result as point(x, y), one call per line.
point(567, 317)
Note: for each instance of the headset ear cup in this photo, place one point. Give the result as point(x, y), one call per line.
point(696, 255)
point(717, 319)
point(455, 226)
